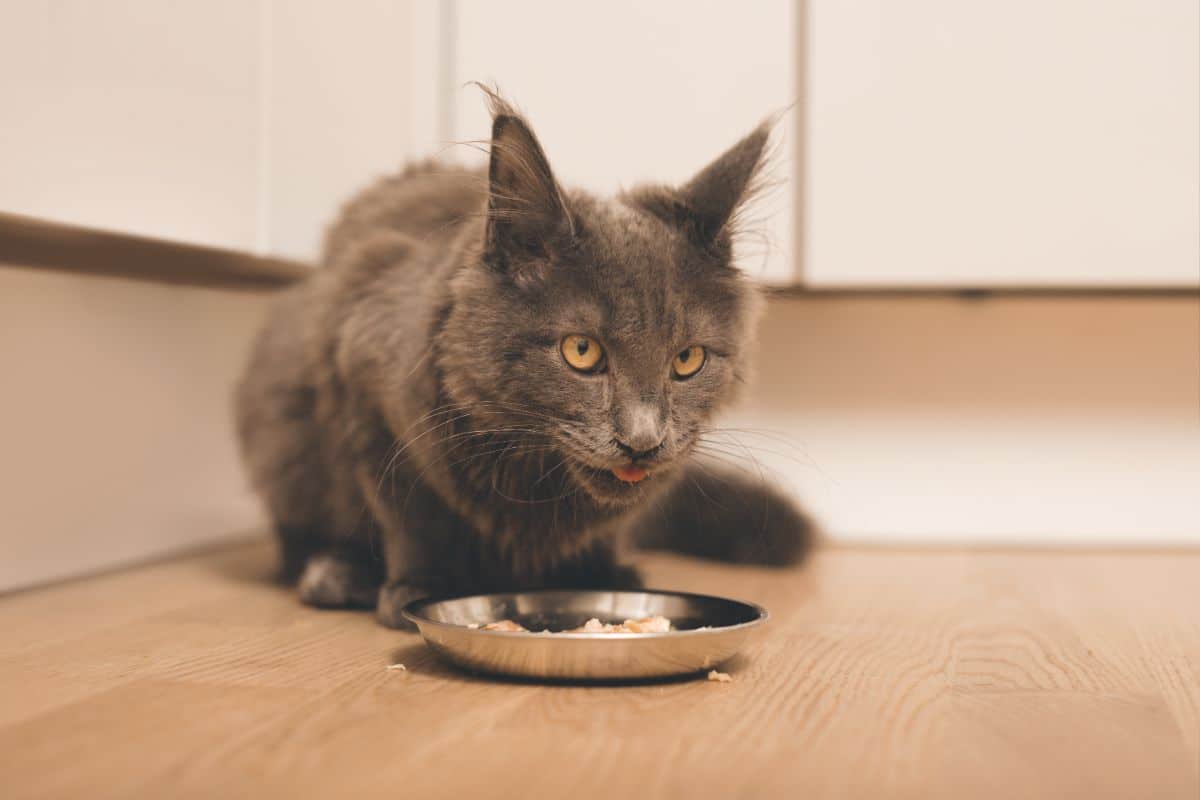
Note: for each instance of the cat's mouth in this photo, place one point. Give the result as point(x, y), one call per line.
point(619, 485)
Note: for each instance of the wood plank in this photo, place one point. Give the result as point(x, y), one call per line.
point(918, 673)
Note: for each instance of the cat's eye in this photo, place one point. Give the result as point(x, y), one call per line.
point(688, 361)
point(583, 353)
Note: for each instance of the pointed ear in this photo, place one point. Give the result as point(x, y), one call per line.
point(711, 199)
point(527, 213)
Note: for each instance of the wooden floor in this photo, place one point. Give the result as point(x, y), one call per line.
point(883, 673)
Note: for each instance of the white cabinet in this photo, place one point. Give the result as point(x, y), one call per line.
point(941, 143)
point(1024, 142)
point(338, 96)
point(623, 91)
point(928, 143)
point(132, 115)
point(229, 123)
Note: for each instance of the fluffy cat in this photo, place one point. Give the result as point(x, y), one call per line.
point(492, 380)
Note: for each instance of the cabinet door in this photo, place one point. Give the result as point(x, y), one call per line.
point(623, 91)
point(339, 91)
point(132, 115)
point(1019, 142)
point(237, 124)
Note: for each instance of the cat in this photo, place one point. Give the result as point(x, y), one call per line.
point(492, 382)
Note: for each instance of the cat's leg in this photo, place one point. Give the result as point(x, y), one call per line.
point(398, 592)
point(416, 532)
point(330, 570)
point(600, 567)
point(280, 436)
point(347, 571)
point(297, 544)
point(627, 576)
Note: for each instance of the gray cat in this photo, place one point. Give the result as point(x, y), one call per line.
point(492, 380)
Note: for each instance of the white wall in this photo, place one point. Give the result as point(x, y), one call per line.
point(1033, 421)
point(1010, 420)
point(115, 419)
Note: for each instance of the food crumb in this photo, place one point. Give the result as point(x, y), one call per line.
point(472, 625)
point(397, 666)
point(719, 677)
point(505, 625)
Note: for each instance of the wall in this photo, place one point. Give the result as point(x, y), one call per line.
point(1008, 420)
point(1032, 421)
point(116, 429)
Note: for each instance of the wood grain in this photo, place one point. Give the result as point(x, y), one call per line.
point(884, 673)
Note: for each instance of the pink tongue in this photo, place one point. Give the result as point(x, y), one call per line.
point(630, 474)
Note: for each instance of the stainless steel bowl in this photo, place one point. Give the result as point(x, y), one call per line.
point(709, 630)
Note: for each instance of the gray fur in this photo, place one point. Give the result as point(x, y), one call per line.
point(412, 426)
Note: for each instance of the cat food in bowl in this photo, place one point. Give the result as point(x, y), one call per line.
point(593, 625)
point(586, 635)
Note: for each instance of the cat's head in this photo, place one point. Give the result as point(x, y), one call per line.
point(611, 329)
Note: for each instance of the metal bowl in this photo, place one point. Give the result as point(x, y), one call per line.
point(708, 631)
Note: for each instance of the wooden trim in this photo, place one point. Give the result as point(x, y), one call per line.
point(30, 242)
point(979, 292)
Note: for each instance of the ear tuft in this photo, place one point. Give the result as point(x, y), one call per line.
point(527, 211)
point(497, 104)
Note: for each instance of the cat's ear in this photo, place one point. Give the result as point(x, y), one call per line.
point(710, 201)
point(527, 212)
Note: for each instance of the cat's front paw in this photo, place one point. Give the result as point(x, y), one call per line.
point(329, 581)
point(395, 595)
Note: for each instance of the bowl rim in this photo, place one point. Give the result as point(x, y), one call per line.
point(412, 610)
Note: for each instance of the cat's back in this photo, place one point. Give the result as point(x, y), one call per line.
point(387, 257)
point(427, 201)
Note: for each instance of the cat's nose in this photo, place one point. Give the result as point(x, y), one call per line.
point(639, 429)
point(635, 453)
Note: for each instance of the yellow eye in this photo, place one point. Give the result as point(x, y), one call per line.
point(582, 352)
point(688, 362)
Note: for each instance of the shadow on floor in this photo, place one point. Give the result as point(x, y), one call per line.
point(255, 562)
